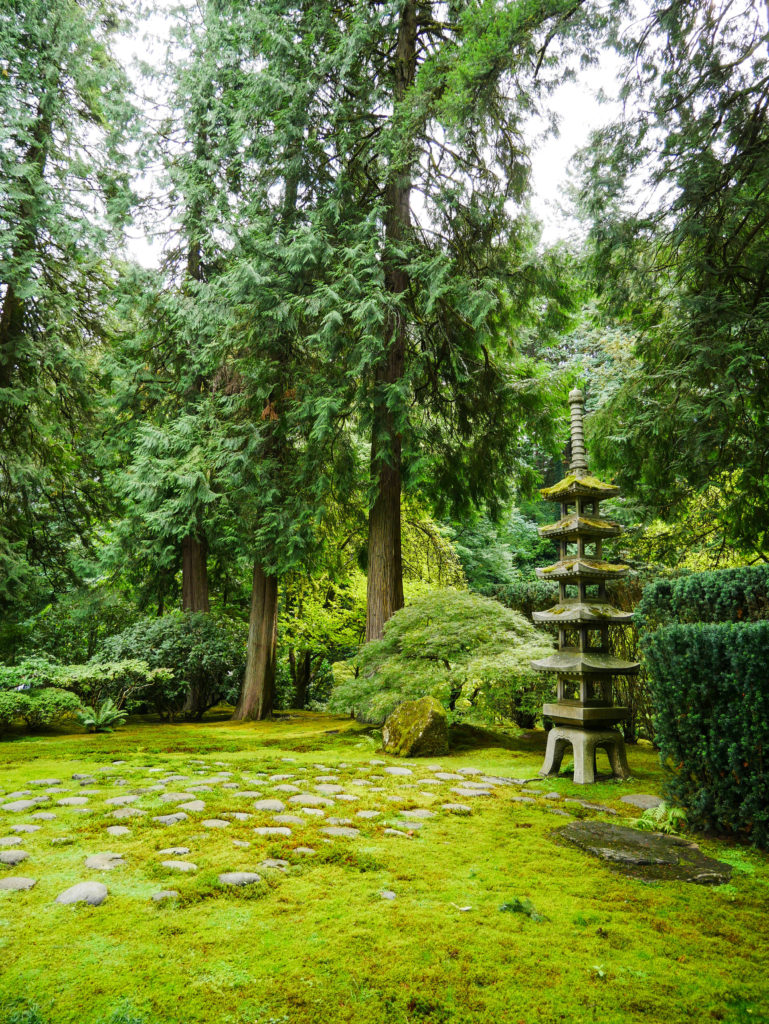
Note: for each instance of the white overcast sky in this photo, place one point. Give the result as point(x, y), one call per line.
point(575, 104)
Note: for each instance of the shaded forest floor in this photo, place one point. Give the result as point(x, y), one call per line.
point(316, 941)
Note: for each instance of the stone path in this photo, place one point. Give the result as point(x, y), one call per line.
point(261, 817)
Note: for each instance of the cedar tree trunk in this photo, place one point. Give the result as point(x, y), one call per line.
point(258, 692)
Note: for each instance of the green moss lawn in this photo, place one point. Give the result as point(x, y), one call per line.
point(317, 941)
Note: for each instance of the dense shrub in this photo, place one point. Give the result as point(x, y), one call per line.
point(129, 684)
point(721, 595)
point(205, 655)
point(70, 629)
point(469, 652)
point(50, 705)
point(711, 693)
point(12, 706)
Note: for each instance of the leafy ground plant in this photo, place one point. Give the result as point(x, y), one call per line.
point(103, 718)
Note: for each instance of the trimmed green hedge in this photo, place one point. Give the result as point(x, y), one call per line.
point(721, 595)
point(710, 685)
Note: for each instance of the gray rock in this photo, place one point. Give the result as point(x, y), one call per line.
point(387, 894)
point(276, 863)
point(11, 841)
point(241, 843)
point(369, 814)
point(280, 778)
point(178, 851)
point(306, 850)
point(17, 793)
point(167, 819)
point(230, 785)
point(311, 800)
point(43, 816)
point(118, 830)
point(214, 823)
point(92, 893)
point(251, 793)
point(396, 832)
point(557, 810)
point(79, 776)
point(45, 782)
point(469, 771)
point(126, 812)
point(239, 815)
point(339, 821)
point(104, 861)
point(418, 812)
point(397, 770)
point(165, 894)
point(239, 878)
point(409, 826)
point(466, 791)
point(449, 777)
point(19, 805)
point(591, 807)
point(496, 780)
point(329, 790)
point(175, 798)
point(121, 801)
point(62, 841)
point(17, 883)
point(193, 805)
point(289, 819)
point(269, 805)
point(88, 780)
point(523, 799)
point(341, 831)
point(179, 865)
point(457, 808)
point(552, 796)
point(417, 728)
point(314, 812)
point(26, 828)
point(287, 787)
point(646, 801)
point(72, 801)
point(10, 858)
point(272, 830)
point(647, 855)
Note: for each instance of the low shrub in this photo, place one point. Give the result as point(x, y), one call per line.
point(12, 707)
point(469, 652)
point(50, 705)
point(710, 692)
point(720, 595)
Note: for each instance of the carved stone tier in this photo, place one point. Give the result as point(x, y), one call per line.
point(587, 716)
point(572, 526)
point(584, 612)
point(572, 570)
point(578, 663)
point(573, 487)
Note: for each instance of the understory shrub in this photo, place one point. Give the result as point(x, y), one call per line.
point(710, 689)
point(38, 708)
point(720, 595)
point(469, 652)
point(205, 656)
point(101, 718)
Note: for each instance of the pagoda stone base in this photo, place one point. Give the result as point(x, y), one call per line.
point(584, 743)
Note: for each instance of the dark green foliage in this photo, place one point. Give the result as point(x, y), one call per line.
point(469, 652)
point(102, 718)
point(723, 595)
point(202, 651)
point(709, 685)
point(128, 683)
point(50, 705)
point(70, 629)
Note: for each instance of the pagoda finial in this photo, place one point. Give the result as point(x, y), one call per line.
point(578, 465)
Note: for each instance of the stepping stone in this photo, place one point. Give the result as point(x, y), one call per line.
point(18, 793)
point(118, 830)
point(252, 793)
point(348, 797)
point(387, 894)
point(45, 782)
point(57, 789)
point(341, 831)
point(360, 782)
point(88, 781)
point(241, 843)
point(178, 851)
point(72, 801)
point(175, 798)
point(175, 778)
point(20, 805)
point(376, 762)
point(179, 865)
point(10, 858)
point(552, 796)
point(275, 862)
point(239, 878)
point(591, 807)
point(80, 776)
point(311, 800)
point(207, 789)
point(26, 828)
point(396, 770)
point(269, 805)
point(457, 808)
point(17, 883)
point(239, 816)
point(469, 771)
point(214, 823)
point(429, 782)
point(496, 780)
point(475, 785)
point(448, 777)
point(396, 832)
point(523, 799)
point(151, 789)
point(339, 821)
point(306, 850)
point(369, 814)
point(43, 816)
point(646, 801)
point(314, 812)
point(11, 841)
point(193, 805)
point(435, 768)
point(104, 861)
point(165, 894)
point(287, 787)
point(167, 819)
point(272, 830)
point(230, 785)
point(464, 791)
point(326, 779)
point(120, 801)
point(557, 810)
point(289, 819)
point(92, 893)
point(408, 825)
point(127, 812)
point(418, 812)
point(280, 778)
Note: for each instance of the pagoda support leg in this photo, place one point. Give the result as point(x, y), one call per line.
point(557, 743)
point(585, 743)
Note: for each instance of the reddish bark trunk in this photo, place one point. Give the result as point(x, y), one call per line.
point(195, 575)
point(258, 692)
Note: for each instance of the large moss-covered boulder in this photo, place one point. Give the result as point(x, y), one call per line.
point(417, 728)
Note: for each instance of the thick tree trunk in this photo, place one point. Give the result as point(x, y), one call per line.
point(195, 574)
point(258, 692)
point(301, 675)
point(384, 594)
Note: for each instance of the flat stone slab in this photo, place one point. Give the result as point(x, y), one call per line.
point(127, 812)
point(19, 805)
point(26, 828)
point(72, 801)
point(10, 858)
point(44, 816)
point(287, 787)
point(118, 830)
point(329, 790)
point(275, 862)
point(273, 830)
point(92, 893)
point(17, 883)
point(241, 843)
point(457, 808)
point(289, 819)
point(418, 812)
point(396, 770)
point(175, 798)
point(306, 850)
point(179, 865)
point(174, 851)
point(193, 805)
point(104, 861)
point(166, 819)
point(120, 801)
point(269, 805)
point(465, 791)
point(239, 878)
point(341, 831)
point(214, 823)
point(311, 800)
point(647, 855)
point(11, 841)
point(369, 814)
point(45, 782)
point(165, 894)
point(646, 801)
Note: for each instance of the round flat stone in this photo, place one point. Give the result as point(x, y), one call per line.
point(397, 770)
point(179, 865)
point(214, 823)
point(646, 801)
point(174, 851)
point(449, 777)
point(289, 819)
point(118, 830)
point(120, 801)
point(239, 815)
point(20, 805)
point(306, 850)
point(253, 794)
point(523, 799)
point(314, 812)
point(408, 825)
point(18, 793)
point(17, 883)
point(72, 801)
point(339, 821)
point(457, 808)
point(193, 805)
point(396, 832)
point(11, 841)
point(126, 812)
point(166, 819)
point(465, 791)
point(207, 789)
point(175, 798)
point(287, 787)
point(239, 878)
point(272, 830)
point(230, 785)
point(79, 776)
point(469, 771)
point(418, 812)
point(347, 797)
point(280, 778)
point(552, 796)
point(104, 861)
point(269, 805)
point(276, 863)
point(311, 800)
point(369, 814)
point(45, 782)
point(12, 857)
point(43, 816)
point(26, 828)
point(387, 894)
point(496, 780)
point(475, 785)
point(241, 843)
point(341, 831)
point(92, 893)
point(329, 789)
point(165, 894)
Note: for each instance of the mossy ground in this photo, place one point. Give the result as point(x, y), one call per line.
point(319, 945)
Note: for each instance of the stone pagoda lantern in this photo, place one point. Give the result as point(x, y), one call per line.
point(583, 712)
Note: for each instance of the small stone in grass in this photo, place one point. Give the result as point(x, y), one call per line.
point(341, 831)
point(464, 791)
point(44, 816)
point(17, 883)
point(11, 841)
point(92, 893)
point(269, 805)
point(45, 782)
point(307, 850)
point(10, 858)
point(388, 894)
point(118, 830)
point(269, 830)
point(275, 862)
point(164, 819)
point(239, 878)
point(241, 843)
point(289, 819)
point(164, 894)
point(396, 832)
point(193, 805)
point(214, 823)
point(396, 770)
point(179, 865)
point(104, 861)
point(26, 828)
point(368, 814)
point(418, 812)
point(457, 808)
point(127, 812)
point(178, 851)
